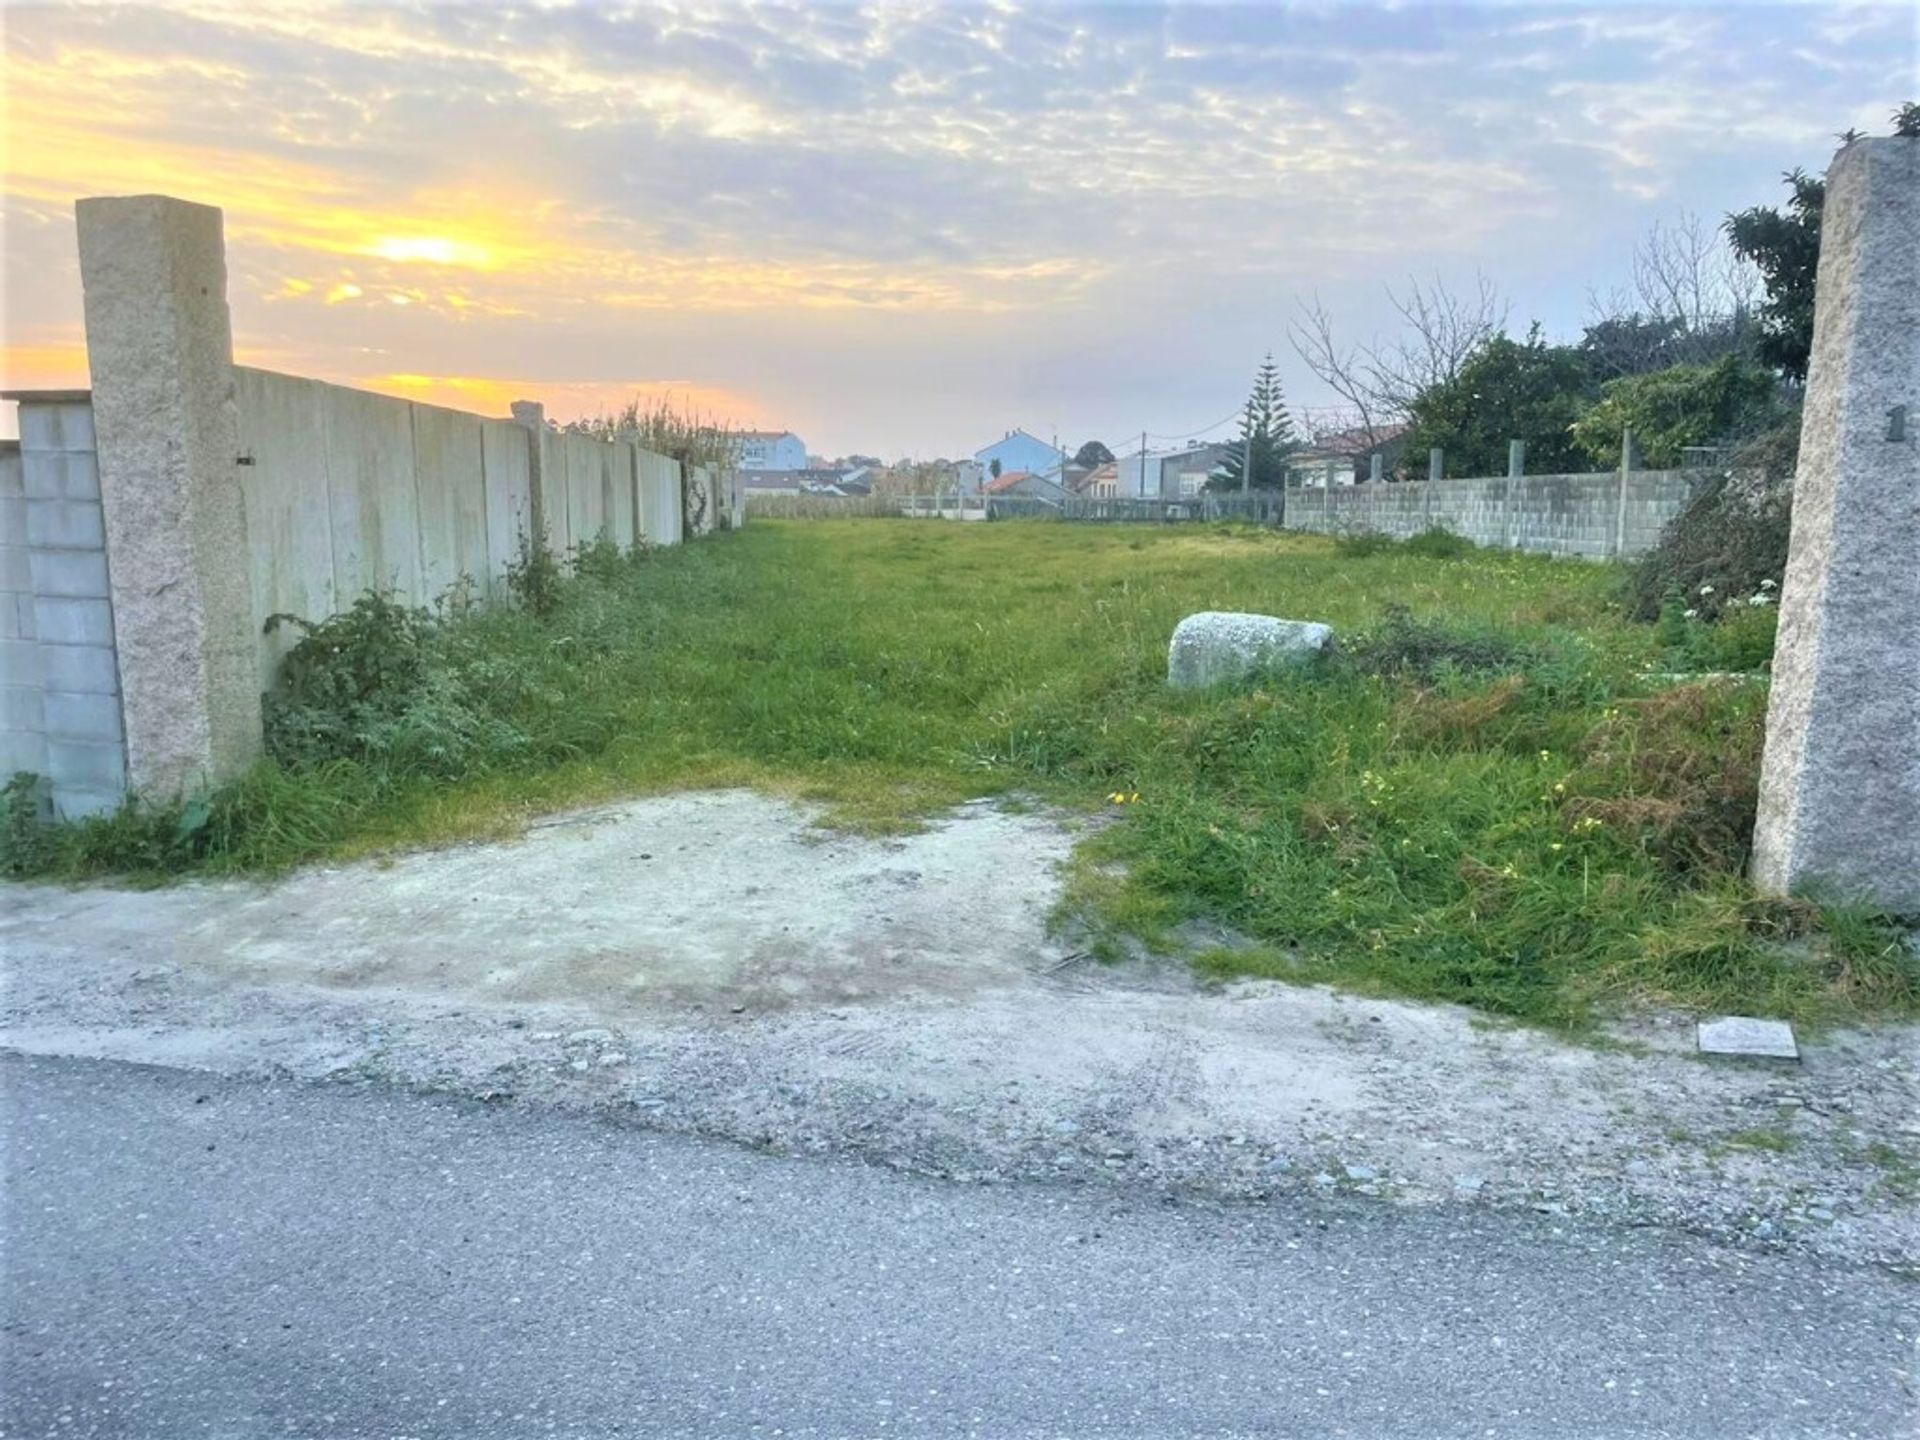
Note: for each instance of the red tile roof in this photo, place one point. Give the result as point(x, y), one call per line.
point(1007, 481)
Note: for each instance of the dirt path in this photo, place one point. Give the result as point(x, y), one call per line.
point(712, 964)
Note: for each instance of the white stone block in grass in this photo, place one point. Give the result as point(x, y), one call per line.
point(1217, 647)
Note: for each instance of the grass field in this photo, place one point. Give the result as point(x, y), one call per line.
point(1488, 802)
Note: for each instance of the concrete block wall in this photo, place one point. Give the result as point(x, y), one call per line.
point(61, 687)
point(23, 737)
point(1591, 515)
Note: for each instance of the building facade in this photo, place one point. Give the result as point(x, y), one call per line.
point(1017, 450)
point(772, 450)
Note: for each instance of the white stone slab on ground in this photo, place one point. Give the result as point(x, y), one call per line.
point(1745, 1036)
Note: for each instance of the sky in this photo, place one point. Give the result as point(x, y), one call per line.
point(900, 230)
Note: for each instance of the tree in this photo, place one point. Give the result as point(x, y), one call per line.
point(1672, 409)
point(1266, 435)
point(1379, 382)
point(1507, 390)
point(1689, 301)
point(1784, 246)
point(994, 466)
point(1093, 455)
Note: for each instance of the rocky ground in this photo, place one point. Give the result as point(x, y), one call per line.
point(713, 965)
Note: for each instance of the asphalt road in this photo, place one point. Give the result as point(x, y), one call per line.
point(186, 1256)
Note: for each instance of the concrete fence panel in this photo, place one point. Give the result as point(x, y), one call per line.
point(658, 491)
point(449, 478)
point(376, 519)
point(282, 423)
point(506, 468)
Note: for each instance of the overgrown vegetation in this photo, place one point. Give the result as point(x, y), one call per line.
point(681, 431)
point(1729, 546)
point(1480, 797)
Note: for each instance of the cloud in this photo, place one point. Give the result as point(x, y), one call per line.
point(1049, 201)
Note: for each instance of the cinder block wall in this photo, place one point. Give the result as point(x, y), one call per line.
point(23, 734)
point(1592, 515)
point(62, 690)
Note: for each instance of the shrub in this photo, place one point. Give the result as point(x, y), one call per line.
point(1437, 542)
point(372, 685)
point(1427, 649)
point(1730, 543)
point(347, 676)
point(24, 833)
point(1681, 406)
point(1361, 544)
point(534, 576)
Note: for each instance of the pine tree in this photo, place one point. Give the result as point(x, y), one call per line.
point(1266, 432)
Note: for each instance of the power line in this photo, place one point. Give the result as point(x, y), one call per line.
point(1227, 419)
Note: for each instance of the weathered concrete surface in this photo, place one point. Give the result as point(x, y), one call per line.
point(160, 349)
point(902, 1000)
point(1216, 647)
point(1840, 784)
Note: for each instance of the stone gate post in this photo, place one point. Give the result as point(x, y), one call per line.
point(1840, 783)
point(160, 348)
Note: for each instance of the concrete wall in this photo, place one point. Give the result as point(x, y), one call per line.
point(658, 488)
point(1588, 515)
point(154, 524)
point(348, 491)
point(60, 678)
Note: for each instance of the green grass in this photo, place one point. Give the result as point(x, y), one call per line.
point(1487, 803)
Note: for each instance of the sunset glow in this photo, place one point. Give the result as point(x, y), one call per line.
point(900, 229)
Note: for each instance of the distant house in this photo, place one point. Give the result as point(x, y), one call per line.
point(1345, 457)
point(805, 481)
point(1019, 451)
point(1184, 473)
point(772, 450)
point(1026, 483)
point(1100, 483)
point(1168, 474)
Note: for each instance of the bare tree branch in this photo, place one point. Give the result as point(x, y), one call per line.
point(1344, 369)
point(1379, 382)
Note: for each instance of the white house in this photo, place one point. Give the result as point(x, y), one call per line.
point(1019, 451)
point(772, 450)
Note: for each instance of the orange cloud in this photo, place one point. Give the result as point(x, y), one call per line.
point(565, 399)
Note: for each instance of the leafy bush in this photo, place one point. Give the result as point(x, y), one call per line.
point(534, 575)
point(347, 677)
point(1672, 409)
point(372, 685)
point(1507, 390)
point(24, 833)
point(1730, 543)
